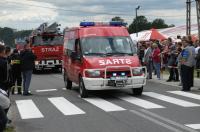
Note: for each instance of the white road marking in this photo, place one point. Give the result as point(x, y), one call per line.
point(193, 126)
point(170, 99)
point(46, 90)
point(66, 107)
point(58, 76)
point(166, 120)
point(103, 104)
point(186, 94)
point(158, 122)
point(64, 89)
point(139, 102)
point(28, 109)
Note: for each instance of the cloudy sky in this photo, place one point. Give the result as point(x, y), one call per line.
point(29, 14)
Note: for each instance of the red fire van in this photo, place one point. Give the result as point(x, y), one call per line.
point(101, 56)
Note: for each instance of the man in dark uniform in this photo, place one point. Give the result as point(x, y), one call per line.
point(16, 71)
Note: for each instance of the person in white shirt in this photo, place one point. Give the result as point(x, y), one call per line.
point(197, 48)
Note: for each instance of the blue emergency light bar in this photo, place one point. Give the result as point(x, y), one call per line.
point(112, 23)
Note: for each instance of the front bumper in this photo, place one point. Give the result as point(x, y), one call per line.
point(48, 64)
point(103, 84)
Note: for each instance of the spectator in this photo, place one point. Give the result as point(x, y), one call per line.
point(148, 60)
point(9, 79)
point(156, 59)
point(3, 119)
point(198, 62)
point(172, 64)
point(187, 63)
point(16, 71)
point(4, 101)
point(197, 48)
point(3, 69)
point(27, 66)
point(192, 49)
point(179, 50)
point(141, 53)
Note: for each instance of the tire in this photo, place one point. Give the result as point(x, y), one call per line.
point(83, 92)
point(68, 83)
point(137, 91)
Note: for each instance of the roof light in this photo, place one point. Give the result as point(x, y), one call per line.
point(112, 23)
point(86, 24)
point(117, 23)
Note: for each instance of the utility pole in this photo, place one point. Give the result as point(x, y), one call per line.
point(136, 22)
point(188, 17)
point(198, 17)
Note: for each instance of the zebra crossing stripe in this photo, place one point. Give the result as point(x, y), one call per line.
point(186, 94)
point(139, 102)
point(170, 99)
point(66, 107)
point(28, 109)
point(103, 104)
point(193, 126)
point(46, 90)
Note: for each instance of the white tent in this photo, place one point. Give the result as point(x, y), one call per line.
point(168, 32)
point(179, 30)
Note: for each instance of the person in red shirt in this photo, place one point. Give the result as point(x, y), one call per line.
point(156, 59)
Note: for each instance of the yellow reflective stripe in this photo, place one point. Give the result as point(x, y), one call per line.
point(15, 62)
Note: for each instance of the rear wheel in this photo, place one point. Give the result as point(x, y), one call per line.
point(82, 90)
point(137, 91)
point(68, 83)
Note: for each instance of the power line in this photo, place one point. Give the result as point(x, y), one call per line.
point(68, 10)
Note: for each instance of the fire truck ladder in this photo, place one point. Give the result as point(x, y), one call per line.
point(44, 28)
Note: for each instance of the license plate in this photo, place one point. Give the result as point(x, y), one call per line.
point(119, 81)
point(50, 66)
point(120, 78)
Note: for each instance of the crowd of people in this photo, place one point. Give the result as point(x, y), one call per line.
point(15, 67)
point(179, 58)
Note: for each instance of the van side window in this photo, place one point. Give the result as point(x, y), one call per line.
point(77, 47)
point(70, 46)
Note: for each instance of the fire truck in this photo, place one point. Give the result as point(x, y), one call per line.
point(47, 44)
point(101, 56)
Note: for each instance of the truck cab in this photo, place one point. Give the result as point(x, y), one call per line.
point(101, 56)
point(47, 44)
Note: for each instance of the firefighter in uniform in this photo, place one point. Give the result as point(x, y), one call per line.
point(16, 71)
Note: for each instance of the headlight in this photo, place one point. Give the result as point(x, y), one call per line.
point(36, 62)
point(137, 71)
point(93, 73)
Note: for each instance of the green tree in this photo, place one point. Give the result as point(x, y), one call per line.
point(7, 36)
point(22, 34)
point(159, 23)
point(117, 18)
point(142, 24)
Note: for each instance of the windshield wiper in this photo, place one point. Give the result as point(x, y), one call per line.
point(94, 54)
point(117, 53)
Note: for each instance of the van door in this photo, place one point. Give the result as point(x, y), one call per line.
point(76, 62)
point(69, 47)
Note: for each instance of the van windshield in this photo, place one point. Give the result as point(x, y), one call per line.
point(47, 40)
point(107, 46)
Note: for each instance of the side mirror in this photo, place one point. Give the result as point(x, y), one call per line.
point(75, 56)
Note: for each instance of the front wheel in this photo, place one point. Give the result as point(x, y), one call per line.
point(82, 90)
point(137, 91)
point(68, 83)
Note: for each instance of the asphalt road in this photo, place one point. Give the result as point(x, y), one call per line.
point(54, 109)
